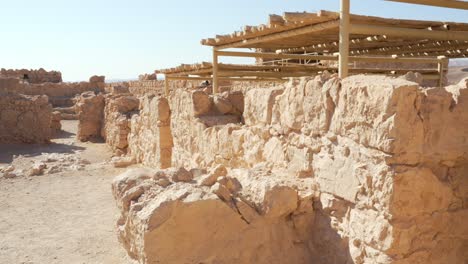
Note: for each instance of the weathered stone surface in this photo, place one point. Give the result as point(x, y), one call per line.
point(90, 109)
point(150, 137)
point(201, 103)
point(118, 112)
point(211, 178)
point(25, 119)
point(184, 223)
point(33, 76)
point(55, 124)
point(222, 105)
point(259, 106)
point(385, 164)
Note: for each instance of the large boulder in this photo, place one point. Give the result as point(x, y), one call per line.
point(183, 222)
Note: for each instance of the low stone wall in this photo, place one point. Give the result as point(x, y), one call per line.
point(90, 110)
point(118, 112)
point(25, 119)
point(33, 76)
point(143, 87)
point(60, 94)
point(150, 139)
point(379, 164)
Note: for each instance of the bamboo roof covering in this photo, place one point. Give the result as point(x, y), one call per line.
point(319, 32)
point(291, 70)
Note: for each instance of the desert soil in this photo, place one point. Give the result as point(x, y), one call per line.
point(64, 217)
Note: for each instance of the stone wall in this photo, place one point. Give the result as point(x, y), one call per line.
point(119, 108)
point(25, 119)
point(156, 87)
point(59, 93)
point(371, 169)
point(90, 110)
point(33, 76)
point(150, 139)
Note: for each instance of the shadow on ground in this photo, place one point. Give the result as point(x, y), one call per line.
point(8, 151)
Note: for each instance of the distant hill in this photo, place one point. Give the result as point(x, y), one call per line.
point(120, 80)
point(459, 62)
point(457, 73)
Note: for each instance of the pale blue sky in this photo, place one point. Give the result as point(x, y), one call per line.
point(121, 39)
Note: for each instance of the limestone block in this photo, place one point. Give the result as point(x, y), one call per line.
point(90, 109)
point(222, 105)
point(201, 103)
point(150, 139)
point(25, 119)
point(259, 106)
point(185, 223)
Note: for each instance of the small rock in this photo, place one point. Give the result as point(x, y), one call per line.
point(413, 77)
point(212, 177)
point(221, 191)
point(9, 175)
point(160, 174)
point(37, 169)
point(197, 172)
point(9, 168)
point(232, 184)
point(119, 153)
point(181, 175)
point(163, 182)
point(76, 167)
point(122, 162)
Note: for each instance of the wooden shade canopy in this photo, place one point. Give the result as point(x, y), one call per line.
point(306, 39)
point(319, 32)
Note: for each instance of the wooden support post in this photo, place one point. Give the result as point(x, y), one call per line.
point(441, 67)
point(344, 39)
point(215, 84)
point(166, 85)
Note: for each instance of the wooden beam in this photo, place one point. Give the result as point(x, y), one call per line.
point(215, 72)
point(270, 55)
point(281, 35)
point(195, 78)
point(344, 39)
point(440, 3)
point(433, 46)
point(264, 74)
point(365, 29)
point(393, 59)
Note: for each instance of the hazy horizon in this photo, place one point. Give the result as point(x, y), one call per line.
point(121, 40)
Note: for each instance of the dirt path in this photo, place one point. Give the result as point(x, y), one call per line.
point(64, 217)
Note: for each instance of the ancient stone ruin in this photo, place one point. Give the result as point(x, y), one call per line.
point(369, 169)
point(286, 161)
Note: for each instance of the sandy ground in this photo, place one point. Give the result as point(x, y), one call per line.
point(64, 217)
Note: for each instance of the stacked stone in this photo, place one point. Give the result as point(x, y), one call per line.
point(25, 119)
point(118, 112)
point(379, 163)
